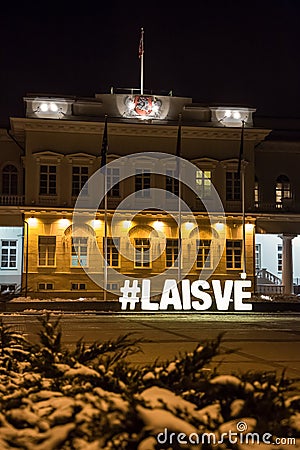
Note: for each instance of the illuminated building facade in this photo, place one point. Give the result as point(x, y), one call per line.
point(49, 155)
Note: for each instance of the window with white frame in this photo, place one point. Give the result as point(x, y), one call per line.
point(203, 253)
point(257, 256)
point(142, 182)
point(233, 186)
point(46, 250)
point(203, 181)
point(233, 254)
point(80, 175)
point(113, 178)
point(113, 255)
point(172, 251)
point(47, 179)
point(9, 180)
point(142, 253)
point(279, 257)
point(172, 184)
point(8, 254)
point(79, 257)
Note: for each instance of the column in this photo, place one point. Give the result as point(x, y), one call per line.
point(287, 263)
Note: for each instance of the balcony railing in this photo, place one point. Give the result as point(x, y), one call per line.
point(287, 205)
point(11, 200)
point(268, 283)
point(266, 277)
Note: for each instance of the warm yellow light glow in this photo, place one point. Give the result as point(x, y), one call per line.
point(32, 221)
point(44, 107)
point(131, 105)
point(53, 107)
point(189, 225)
point(63, 223)
point(96, 223)
point(236, 115)
point(249, 226)
point(126, 224)
point(158, 225)
point(219, 226)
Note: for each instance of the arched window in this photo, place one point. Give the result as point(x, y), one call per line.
point(283, 188)
point(9, 180)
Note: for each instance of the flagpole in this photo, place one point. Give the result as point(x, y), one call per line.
point(141, 55)
point(178, 155)
point(103, 164)
point(105, 236)
point(241, 170)
point(243, 216)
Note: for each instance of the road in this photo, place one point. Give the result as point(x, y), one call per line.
point(262, 341)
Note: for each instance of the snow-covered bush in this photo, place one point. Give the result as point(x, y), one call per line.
point(91, 398)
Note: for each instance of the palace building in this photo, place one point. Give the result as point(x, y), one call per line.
point(48, 156)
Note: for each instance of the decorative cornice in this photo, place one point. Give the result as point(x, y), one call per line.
point(21, 125)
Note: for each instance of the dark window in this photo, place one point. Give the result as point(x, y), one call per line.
point(233, 186)
point(203, 255)
point(80, 175)
point(172, 252)
point(142, 182)
point(47, 180)
point(113, 177)
point(172, 184)
point(233, 254)
point(112, 251)
point(9, 180)
point(78, 286)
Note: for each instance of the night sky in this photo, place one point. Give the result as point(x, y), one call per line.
point(215, 52)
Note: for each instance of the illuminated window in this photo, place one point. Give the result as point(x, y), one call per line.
point(233, 254)
point(8, 254)
point(203, 181)
point(203, 255)
point(142, 253)
point(47, 246)
point(142, 182)
point(279, 258)
point(47, 180)
point(256, 193)
point(172, 184)
point(9, 180)
point(79, 252)
point(233, 186)
point(113, 256)
point(80, 175)
point(283, 189)
point(113, 177)
point(172, 252)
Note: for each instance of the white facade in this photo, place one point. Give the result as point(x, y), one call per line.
point(269, 255)
point(10, 257)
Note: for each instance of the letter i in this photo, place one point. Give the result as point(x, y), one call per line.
point(186, 294)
